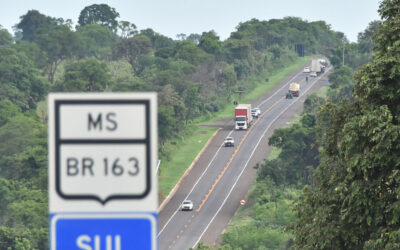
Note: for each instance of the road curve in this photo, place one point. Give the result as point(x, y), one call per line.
point(222, 175)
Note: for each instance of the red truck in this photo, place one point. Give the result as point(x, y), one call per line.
point(243, 117)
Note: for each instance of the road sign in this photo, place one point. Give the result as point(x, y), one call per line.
point(102, 170)
point(102, 152)
point(242, 202)
point(103, 231)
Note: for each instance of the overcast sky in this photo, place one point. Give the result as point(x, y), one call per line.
point(172, 17)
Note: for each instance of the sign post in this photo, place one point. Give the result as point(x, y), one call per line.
point(102, 171)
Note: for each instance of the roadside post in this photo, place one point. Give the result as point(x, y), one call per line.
point(103, 192)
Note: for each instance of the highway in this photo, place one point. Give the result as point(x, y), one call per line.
point(215, 176)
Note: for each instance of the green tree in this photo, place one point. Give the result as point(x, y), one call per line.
point(5, 37)
point(194, 38)
point(127, 29)
point(95, 41)
point(87, 75)
point(209, 42)
point(168, 97)
point(364, 38)
point(132, 49)
point(354, 200)
point(59, 44)
point(32, 22)
point(299, 154)
point(22, 146)
point(192, 102)
point(99, 14)
point(341, 84)
point(239, 49)
point(189, 52)
point(7, 111)
point(312, 103)
point(33, 52)
point(166, 123)
point(158, 41)
point(20, 81)
point(122, 78)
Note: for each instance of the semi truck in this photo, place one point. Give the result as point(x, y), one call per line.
point(294, 89)
point(243, 117)
point(316, 66)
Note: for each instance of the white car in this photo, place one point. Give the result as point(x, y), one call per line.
point(255, 112)
point(306, 70)
point(187, 205)
point(229, 142)
point(313, 74)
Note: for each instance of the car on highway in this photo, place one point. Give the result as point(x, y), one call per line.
point(229, 142)
point(187, 205)
point(255, 112)
point(313, 74)
point(306, 70)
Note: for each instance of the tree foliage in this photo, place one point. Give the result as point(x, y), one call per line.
point(5, 37)
point(353, 202)
point(85, 76)
point(99, 14)
point(132, 49)
point(32, 22)
point(20, 81)
point(95, 41)
point(59, 44)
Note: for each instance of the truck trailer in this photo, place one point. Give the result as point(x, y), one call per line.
point(243, 117)
point(294, 89)
point(316, 66)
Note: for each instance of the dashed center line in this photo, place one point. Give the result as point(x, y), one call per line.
point(233, 156)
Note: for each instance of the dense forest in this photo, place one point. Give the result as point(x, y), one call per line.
point(195, 75)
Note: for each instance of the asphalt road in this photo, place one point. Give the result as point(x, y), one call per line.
point(222, 175)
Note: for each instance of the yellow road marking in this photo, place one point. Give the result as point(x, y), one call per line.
point(233, 156)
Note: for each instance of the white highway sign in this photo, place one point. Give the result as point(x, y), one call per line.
point(103, 152)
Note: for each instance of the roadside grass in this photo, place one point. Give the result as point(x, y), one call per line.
point(243, 215)
point(185, 149)
point(322, 92)
point(263, 86)
point(182, 152)
point(274, 153)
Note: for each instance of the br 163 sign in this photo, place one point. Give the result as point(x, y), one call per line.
point(102, 147)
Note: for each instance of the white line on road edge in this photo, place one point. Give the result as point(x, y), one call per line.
point(276, 92)
point(284, 86)
point(201, 176)
point(237, 179)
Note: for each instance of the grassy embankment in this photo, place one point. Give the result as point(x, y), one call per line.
point(184, 150)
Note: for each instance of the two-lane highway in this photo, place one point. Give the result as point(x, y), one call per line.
point(218, 174)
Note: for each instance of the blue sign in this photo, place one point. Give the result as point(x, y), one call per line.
point(103, 231)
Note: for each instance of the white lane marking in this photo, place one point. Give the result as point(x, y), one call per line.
point(261, 137)
point(284, 86)
point(201, 176)
point(177, 209)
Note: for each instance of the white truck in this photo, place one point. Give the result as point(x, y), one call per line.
point(315, 67)
point(243, 117)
